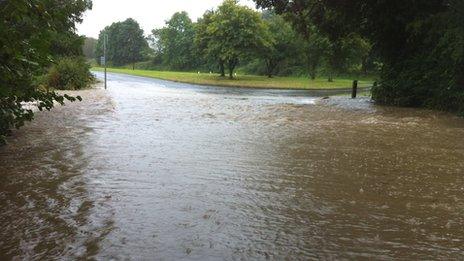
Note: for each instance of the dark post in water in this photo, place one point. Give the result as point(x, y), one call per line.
point(355, 89)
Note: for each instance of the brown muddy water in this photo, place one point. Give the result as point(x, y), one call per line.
point(152, 170)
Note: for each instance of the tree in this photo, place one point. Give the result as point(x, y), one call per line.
point(66, 44)
point(419, 43)
point(357, 51)
point(347, 54)
point(316, 49)
point(126, 43)
point(281, 42)
point(203, 37)
point(89, 47)
point(175, 42)
point(431, 74)
point(230, 33)
point(28, 32)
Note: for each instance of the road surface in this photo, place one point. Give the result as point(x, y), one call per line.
point(150, 169)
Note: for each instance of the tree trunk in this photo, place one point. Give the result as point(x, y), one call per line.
point(232, 63)
point(270, 66)
point(221, 68)
point(312, 71)
point(133, 66)
point(364, 66)
point(313, 64)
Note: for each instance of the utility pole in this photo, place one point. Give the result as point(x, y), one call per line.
point(105, 40)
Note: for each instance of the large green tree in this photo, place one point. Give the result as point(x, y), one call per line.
point(420, 44)
point(65, 44)
point(357, 51)
point(175, 42)
point(202, 40)
point(316, 48)
point(29, 36)
point(89, 47)
point(230, 33)
point(281, 42)
point(126, 43)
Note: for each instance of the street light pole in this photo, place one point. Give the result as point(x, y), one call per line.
point(105, 40)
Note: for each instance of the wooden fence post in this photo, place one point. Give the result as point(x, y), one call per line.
point(355, 89)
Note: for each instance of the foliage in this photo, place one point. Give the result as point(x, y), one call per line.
point(126, 43)
point(432, 73)
point(328, 38)
point(281, 43)
point(419, 43)
point(355, 51)
point(29, 33)
point(88, 49)
point(175, 42)
point(316, 49)
point(69, 73)
point(230, 33)
point(265, 44)
point(66, 44)
point(201, 41)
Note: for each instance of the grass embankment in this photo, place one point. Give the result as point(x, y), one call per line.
point(249, 81)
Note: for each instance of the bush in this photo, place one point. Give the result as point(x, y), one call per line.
point(69, 73)
point(432, 74)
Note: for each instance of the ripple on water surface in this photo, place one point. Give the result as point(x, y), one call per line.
point(150, 168)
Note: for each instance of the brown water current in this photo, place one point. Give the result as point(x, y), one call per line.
point(153, 170)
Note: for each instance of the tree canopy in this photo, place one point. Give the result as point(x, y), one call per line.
point(420, 43)
point(236, 37)
point(88, 49)
point(126, 43)
point(230, 33)
point(175, 42)
point(32, 34)
point(281, 43)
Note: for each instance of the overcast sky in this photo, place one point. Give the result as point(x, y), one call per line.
point(149, 13)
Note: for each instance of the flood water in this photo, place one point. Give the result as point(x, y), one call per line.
point(153, 170)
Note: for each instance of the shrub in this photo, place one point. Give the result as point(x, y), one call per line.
point(431, 75)
point(69, 73)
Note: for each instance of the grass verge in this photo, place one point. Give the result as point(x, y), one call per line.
point(247, 81)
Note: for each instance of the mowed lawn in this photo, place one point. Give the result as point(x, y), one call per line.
point(250, 81)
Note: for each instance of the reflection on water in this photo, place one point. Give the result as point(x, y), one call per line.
point(155, 169)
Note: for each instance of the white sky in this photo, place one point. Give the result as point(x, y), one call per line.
point(149, 13)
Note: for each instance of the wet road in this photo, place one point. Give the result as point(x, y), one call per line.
point(156, 170)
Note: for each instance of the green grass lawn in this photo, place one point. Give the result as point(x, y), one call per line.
point(251, 81)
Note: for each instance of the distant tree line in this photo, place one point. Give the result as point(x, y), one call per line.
point(416, 47)
point(234, 36)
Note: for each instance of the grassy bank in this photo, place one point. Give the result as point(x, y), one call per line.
point(251, 81)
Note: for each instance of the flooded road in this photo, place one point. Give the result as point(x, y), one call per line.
point(154, 170)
